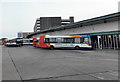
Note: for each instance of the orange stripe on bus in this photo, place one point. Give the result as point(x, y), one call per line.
point(57, 47)
point(75, 36)
point(88, 44)
point(48, 44)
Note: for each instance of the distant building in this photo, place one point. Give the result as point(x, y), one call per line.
point(43, 23)
point(23, 34)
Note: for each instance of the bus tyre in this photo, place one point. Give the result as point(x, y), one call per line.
point(77, 47)
point(51, 47)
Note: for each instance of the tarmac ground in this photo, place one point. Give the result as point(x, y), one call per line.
point(29, 63)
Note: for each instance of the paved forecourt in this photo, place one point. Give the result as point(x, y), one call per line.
point(29, 63)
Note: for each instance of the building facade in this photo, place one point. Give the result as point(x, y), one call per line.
point(23, 34)
point(104, 31)
point(49, 22)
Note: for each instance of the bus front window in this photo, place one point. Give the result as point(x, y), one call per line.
point(46, 40)
point(86, 40)
point(35, 41)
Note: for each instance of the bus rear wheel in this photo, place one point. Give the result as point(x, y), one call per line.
point(77, 47)
point(51, 47)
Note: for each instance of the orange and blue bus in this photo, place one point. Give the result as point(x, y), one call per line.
point(69, 41)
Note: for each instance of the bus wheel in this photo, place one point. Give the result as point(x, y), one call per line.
point(51, 47)
point(77, 47)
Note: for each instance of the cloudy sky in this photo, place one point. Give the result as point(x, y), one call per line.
point(20, 15)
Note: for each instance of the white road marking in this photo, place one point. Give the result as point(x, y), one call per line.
point(97, 76)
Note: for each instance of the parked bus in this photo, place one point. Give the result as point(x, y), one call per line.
point(18, 42)
point(25, 41)
point(70, 41)
point(13, 42)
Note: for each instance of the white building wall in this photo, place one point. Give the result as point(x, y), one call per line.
point(103, 27)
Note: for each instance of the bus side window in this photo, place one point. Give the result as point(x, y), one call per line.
point(46, 40)
point(77, 40)
point(53, 40)
point(59, 40)
point(70, 40)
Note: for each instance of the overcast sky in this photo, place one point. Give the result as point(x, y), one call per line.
point(20, 15)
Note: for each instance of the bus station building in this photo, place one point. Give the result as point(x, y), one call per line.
point(104, 31)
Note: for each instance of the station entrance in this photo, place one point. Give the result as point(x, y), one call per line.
point(110, 41)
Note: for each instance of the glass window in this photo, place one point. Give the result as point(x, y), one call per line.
point(18, 40)
point(25, 41)
point(81, 40)
point(46, 40)
point(68, 40)
point(11, 41)
point(53, 40)
point(77, 40)
point(86, 40)
point(31, 40)
point(35, 40)
point(59, 40)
